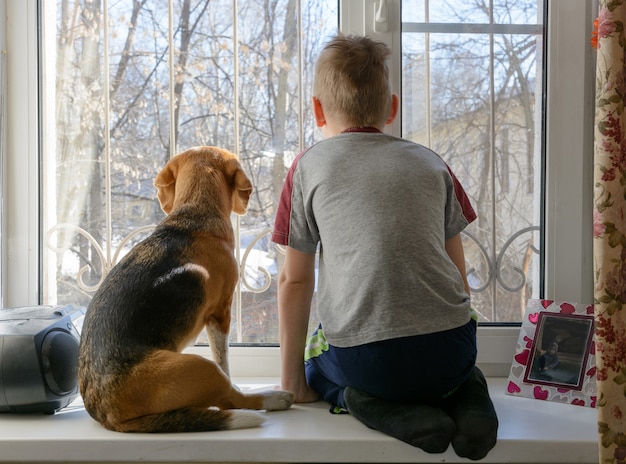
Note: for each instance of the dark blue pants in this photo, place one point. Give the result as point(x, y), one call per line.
point(423, 368)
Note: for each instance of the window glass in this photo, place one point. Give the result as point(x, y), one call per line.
point(472, 91)
point(451, 11)
point(130, 83)
point(468, 12)
point(127, 84)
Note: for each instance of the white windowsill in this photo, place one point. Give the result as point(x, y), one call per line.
point(531, 431)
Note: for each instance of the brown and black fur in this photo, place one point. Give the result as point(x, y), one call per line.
point(158, 298)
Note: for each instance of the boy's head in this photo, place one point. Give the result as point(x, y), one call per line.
point(352, 81)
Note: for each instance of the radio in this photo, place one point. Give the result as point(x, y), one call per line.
point(39, 357)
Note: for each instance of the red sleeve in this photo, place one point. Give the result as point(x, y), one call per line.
point(282, 223)
point(462, 198)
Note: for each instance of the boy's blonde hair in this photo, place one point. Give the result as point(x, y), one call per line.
point(352, 80)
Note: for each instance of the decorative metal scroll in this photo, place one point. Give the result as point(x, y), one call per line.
point(66, 244)
point(495, 268)
point(262, 270)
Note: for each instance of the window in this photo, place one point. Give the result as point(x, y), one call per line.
point(128, 85)
point(105, 165)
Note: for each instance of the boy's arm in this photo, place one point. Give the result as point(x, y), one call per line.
point(454, 248)
point(296, 284)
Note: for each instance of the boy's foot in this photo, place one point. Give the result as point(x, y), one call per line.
point(473, 413)
point(422, 426)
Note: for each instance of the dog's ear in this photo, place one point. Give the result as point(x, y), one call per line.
point(242, 187)
point(165, 183)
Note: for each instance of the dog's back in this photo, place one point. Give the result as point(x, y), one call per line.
point(148, 301)
point(156, 300)
point(133, 313)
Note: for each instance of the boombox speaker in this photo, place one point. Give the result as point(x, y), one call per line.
point(39, 358)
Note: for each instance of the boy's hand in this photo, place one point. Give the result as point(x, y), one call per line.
point(303, 393)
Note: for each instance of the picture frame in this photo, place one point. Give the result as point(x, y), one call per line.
point(554, 357)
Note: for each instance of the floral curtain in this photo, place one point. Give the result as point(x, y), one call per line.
point(610, 228)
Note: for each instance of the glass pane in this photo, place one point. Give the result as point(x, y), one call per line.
point(413, 11)
point(119, 94)
point(275, 124)
point(204, 67)
point(472, 12)
point(139, 134)
point(475, 98)
point(446, 11)
point(517, 12)
point(75, 132)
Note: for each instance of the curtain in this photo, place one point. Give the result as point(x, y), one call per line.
point(609, 247)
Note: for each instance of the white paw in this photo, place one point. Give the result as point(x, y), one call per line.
point(277, 400)
point(245, 419)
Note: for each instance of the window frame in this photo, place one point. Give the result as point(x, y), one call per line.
point(569, 167)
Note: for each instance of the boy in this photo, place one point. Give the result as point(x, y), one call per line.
point(396, 346)
point(549, 359)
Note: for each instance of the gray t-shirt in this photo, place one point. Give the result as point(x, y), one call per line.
point(380, 208)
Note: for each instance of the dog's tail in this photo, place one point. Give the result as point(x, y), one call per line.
point(193, 420)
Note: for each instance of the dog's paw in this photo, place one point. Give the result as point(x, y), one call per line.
point(244, 419)
point(277, 400)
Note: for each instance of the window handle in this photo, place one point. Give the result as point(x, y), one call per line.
point(380, 16)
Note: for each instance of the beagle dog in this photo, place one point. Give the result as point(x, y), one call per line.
point(133, 375)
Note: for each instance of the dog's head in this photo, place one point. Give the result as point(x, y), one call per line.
point(200, 172)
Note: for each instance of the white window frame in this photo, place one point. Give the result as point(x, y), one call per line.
point(569, 166)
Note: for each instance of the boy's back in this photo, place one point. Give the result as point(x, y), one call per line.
point(381, 208)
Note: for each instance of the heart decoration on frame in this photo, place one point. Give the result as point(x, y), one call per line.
point(555, 354)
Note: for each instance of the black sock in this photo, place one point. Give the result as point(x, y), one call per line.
point(473, 413)
point(419, 425)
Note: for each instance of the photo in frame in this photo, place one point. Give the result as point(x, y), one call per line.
point(555, 354)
